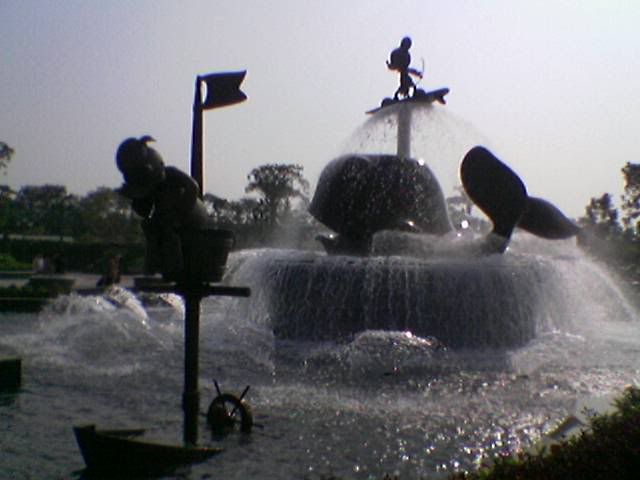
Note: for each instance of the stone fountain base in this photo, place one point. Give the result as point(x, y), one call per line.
point(468, 303)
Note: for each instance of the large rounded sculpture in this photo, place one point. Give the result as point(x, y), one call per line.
point(360, 195)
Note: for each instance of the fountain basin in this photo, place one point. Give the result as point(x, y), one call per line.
point(481, 302)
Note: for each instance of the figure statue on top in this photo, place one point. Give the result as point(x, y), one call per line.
point(399, 60)
point(166, 198)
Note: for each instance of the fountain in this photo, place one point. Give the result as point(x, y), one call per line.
point(406, 354)
point(394, 261)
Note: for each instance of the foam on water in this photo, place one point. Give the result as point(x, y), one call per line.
point(381, 401)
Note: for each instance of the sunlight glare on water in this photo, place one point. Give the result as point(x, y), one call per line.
point(378, 402)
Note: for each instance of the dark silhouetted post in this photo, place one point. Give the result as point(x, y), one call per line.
point(191, 395)
point(222, 89)
point(197, 154)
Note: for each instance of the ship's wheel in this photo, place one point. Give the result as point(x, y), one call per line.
point(228, 412)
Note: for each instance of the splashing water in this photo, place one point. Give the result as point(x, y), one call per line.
point(378, 401)
point(438, 137)
point(473, 302)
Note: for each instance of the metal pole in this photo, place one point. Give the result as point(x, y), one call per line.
point(191, 395)
point(197, 149)
point(193, 293)
point(404, 131)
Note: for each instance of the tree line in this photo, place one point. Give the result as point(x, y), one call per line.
point(282, 199)
point(276, 214)
point(103, 215)
point(605, 221)
point(612, 234)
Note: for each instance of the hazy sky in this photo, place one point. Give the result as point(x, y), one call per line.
point(553, 85)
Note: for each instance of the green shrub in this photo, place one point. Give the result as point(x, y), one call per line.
point(609, 449)
point(8, 263)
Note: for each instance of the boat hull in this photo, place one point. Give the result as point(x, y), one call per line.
point(120, 451)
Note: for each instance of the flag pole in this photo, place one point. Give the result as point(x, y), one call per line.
point(222, 90)
point(191, 394)
point(197, 165)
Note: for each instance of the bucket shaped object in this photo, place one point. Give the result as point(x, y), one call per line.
point(204, 252)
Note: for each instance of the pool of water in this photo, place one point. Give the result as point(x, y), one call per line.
point(380, 402)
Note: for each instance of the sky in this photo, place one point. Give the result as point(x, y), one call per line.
point(552, 86)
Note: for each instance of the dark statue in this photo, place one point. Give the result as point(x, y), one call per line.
point(166, 198)
point(501, 195)
point(399, 60)
point(360, 195)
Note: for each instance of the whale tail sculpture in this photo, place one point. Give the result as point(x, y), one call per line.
point(502, 196)
point(359, 195)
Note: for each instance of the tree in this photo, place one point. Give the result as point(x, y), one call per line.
point(7, 196)
point(107, 216)
point(6, 152)
point(45, 210)
point(631, 199)
point(602, 217)
point(460, 209)
point(278, 184)
point(228, 213)
point(215, 206)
